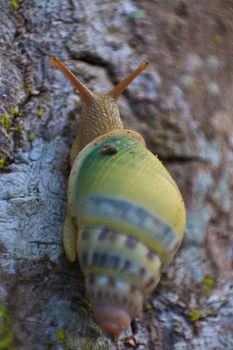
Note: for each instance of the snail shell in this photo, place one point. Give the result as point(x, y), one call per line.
point(130, 219)
point(129, 227)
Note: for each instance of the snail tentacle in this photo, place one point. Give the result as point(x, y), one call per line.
point(118, 89)
point(79, 86)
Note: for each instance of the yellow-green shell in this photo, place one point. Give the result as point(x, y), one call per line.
point(130, 216)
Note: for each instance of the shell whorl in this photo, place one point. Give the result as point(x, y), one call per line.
point(120, 270)
point(118, 254)
point(119, 257)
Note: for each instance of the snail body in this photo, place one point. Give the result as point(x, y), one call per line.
point(125, 215)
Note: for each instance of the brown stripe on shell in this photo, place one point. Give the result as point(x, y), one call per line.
point(150, 282)
point(151, 255)
point(142, 272)
point(103, 234)
point(99, 259)
point(131, 243)
point(102, 259)
point(104, 207)
point(111, 282)
point(114, 262)
point(107, 234)
point(126, 265)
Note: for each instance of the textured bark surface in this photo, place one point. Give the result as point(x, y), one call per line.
point(182, 105)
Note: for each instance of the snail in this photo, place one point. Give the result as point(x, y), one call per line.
point(125, 215)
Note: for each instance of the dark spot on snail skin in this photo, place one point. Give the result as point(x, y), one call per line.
point(108, 149)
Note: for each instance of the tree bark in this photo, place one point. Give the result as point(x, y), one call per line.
point(182, 105)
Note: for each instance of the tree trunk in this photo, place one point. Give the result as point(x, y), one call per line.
point(182, 105)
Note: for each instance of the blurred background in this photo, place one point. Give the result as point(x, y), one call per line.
point(182, 105)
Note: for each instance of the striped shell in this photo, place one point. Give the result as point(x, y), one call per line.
point(131, 219)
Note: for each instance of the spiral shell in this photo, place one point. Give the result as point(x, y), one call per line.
point(131, 220)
